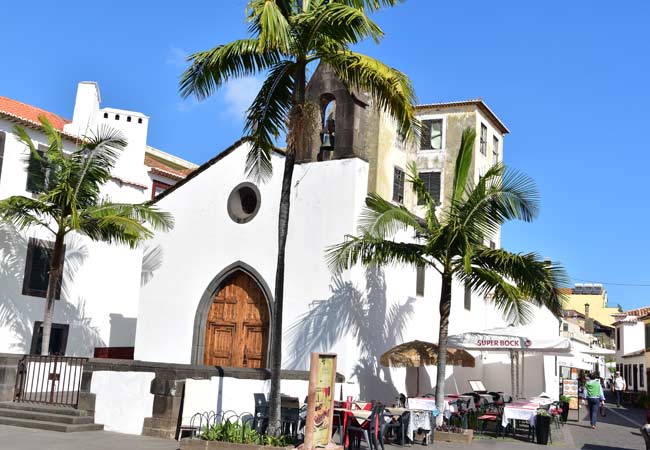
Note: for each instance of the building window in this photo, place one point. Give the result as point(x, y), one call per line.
point(483, 139)
point(158, 187)
point(565, 326)
point(139, 120)
point(495, 150)
point(641, 376)
point(419, 281)
point(58, 339)
point(468, 298)
point(618, 339)
point(37, 173)
point(117, 117)
point(244, 202)
point(2, 150)
point(492, 245)
point(105, 115)
point(398, 185)
point(647, 336)
point(432, 183)
point(431, 136)
point(37, 269)
point(128, 118)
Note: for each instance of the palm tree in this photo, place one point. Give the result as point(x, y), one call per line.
point(69, 201)
point(285, 36)
point(452, 243)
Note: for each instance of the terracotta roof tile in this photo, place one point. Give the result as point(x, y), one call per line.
point(163, 169)
point(30, 113)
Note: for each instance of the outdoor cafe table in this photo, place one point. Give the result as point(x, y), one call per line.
point(417, 419)
point(523, 410)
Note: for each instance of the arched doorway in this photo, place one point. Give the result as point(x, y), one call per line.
point(237, 324)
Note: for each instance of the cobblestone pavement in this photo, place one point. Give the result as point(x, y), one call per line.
point(15, 438)
point(618, 430)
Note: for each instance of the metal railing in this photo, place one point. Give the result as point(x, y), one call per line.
point(53, 380)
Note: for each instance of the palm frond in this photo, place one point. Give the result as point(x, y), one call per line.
point(499, 195)
point(391, 90)
point(24, 212)
point(538, 280)
point(371, 5)
point(423, 195)
point(382, 219)
point(342, 24)
point(366, 250)
point(123, 223)
point(267, 118)
point(209, 70)
point(463, 164)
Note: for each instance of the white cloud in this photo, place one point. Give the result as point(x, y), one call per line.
point(239, 94)
point(176, 57)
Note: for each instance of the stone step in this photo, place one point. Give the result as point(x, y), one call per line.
point(45, 416)
point(51, 426)
point(67, 410)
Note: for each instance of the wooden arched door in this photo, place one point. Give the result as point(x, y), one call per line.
point(237, 328)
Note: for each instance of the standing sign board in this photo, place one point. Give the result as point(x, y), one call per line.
point(320, 401)
point(570, 389)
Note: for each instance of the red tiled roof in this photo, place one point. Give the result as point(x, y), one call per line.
point(638, 312)
point(22, 111)
point(565, 291)
point(165, 170)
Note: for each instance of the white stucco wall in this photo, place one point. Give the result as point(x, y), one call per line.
point(357, 309)
point(123, 400)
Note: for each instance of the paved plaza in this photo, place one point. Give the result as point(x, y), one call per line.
point(619, 430)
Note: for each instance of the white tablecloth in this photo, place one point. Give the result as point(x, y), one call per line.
point(519, 412)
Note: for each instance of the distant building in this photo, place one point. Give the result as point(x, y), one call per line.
point(631, 343)
point(590, 300)
point(98, 302)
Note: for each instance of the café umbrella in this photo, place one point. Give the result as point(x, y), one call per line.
point(419, 353)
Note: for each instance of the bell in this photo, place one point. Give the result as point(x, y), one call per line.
point(327, 141)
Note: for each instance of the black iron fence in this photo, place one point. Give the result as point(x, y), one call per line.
point(53, 380)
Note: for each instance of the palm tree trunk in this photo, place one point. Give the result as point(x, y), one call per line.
point(295, 130)
point(445, 309)
point(56, 266)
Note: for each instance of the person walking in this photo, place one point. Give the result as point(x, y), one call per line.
point(619, 386)
point(593, 394)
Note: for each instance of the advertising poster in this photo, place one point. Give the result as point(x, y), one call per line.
point(320, 400)
point(570, 389)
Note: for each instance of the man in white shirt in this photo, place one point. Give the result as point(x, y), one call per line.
point(619, 386)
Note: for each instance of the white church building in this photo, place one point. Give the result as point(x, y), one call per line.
point(97, 307)
point(208, 301)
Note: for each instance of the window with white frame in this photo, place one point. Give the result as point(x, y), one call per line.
point(483, 142)
point(495, 149)
point(431, 134)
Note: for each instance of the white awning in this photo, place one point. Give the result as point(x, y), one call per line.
point(509, 338)
point(579, 362)
point(578, 347)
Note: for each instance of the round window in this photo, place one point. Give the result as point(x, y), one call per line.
point(244, 202)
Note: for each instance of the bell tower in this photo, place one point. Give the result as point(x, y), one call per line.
point(347, 125)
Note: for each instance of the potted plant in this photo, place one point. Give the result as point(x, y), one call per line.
point(542, 426)
point(564, 404)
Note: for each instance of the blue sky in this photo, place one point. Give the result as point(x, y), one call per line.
point(570, 80)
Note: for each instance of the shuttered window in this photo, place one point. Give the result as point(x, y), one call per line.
point(36, 172)
point(483, 139)
point(647, 336)
point(2, 150)
point(431, 134)
point(419, 281)
point(37, 268)
point(468, 298)
point(58, 339)
point(398, 185)
point(495, 150)
point(432, 182)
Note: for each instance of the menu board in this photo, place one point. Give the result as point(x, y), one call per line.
point(320, 401)
point(570, 389)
